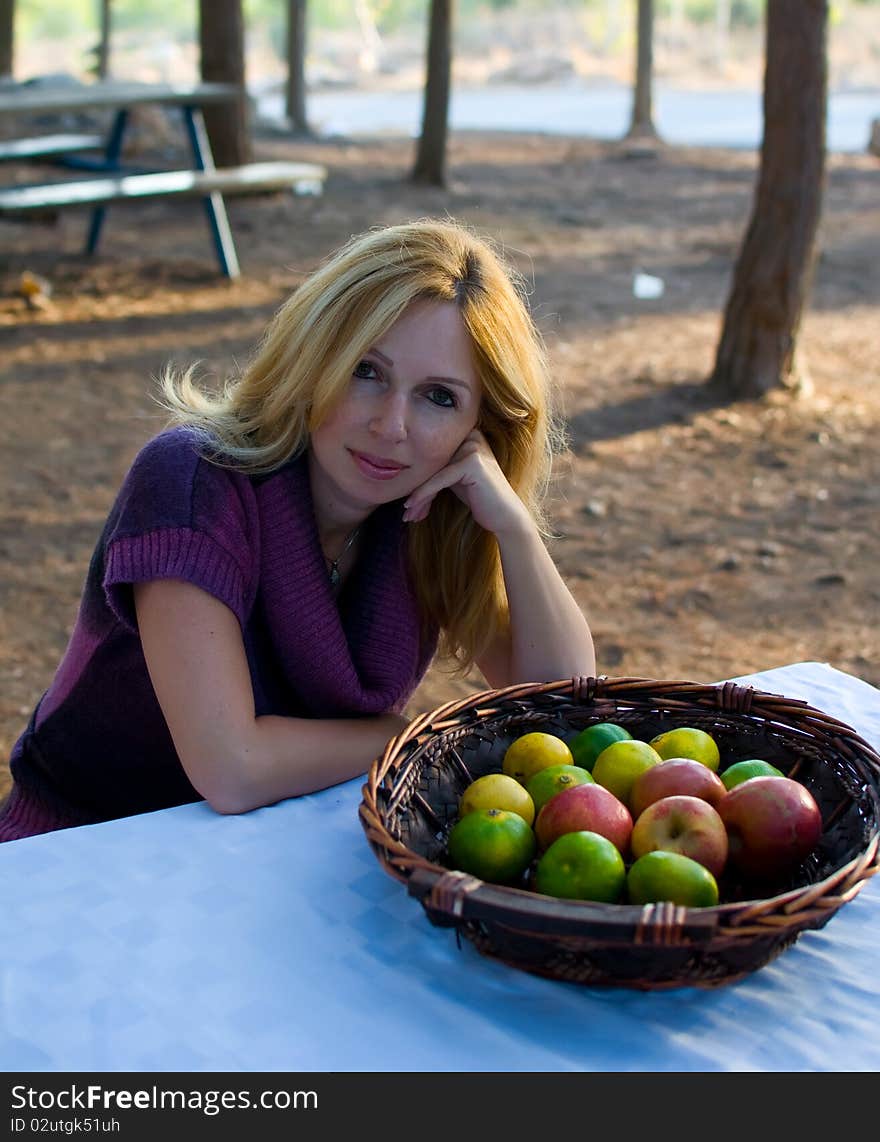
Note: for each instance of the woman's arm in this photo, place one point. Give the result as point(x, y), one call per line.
point(549, 634)
point(237, 761)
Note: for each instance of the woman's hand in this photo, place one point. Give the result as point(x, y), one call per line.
point(474, 475)
point(549, 636)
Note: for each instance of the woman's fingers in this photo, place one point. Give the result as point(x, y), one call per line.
point(418, 503)
point(474, 476)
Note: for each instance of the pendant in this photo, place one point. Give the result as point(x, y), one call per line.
point(334, 563)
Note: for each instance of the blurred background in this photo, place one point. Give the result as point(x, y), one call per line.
point(561, 66)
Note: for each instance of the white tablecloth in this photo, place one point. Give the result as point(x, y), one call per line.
point(274, 941)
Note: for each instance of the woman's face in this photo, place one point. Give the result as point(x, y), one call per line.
point(413, 398)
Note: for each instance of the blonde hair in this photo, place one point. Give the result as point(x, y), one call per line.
point(303, 365)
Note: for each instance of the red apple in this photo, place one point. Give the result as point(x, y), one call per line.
point(772, 824)
point(584, 807)
point(679, 776)
point(682, 824)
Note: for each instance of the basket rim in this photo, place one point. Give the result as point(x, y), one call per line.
point(461, 897)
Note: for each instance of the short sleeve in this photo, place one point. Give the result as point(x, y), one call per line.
point(179, 516)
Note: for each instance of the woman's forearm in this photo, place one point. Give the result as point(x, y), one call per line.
point(550, 635)
point(287, 757)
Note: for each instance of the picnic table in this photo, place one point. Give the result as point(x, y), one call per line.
point(110, 180)
point(183, 940)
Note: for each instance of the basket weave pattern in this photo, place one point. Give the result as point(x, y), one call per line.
point(410, 800)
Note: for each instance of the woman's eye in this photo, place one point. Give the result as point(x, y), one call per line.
point(365, 371)
point(442, 397)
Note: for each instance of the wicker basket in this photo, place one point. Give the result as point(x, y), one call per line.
point(411, 797)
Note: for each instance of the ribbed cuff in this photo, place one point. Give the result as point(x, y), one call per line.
point(171, 553)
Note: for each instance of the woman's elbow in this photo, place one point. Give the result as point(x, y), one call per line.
point(227, 805)
point(225, 785)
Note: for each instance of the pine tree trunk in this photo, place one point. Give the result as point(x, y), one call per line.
point(296, 66)
point(7, 37)
point(773, 274)
point(221, 39)
point(642, 124)
point(102, 63)
point(430, 163)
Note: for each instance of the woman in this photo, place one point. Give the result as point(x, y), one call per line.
point(283, 561)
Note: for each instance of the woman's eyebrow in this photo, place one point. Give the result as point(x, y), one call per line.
point(450, 381)
point(446, 380)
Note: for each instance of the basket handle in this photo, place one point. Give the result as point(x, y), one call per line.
point(453, 898)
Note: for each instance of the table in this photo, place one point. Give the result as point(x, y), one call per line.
point(200, 179)
point(274, 941)
point(64, 98)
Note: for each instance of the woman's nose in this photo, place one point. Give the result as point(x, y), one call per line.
point(389, 419)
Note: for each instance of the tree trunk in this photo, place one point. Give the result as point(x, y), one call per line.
point(102, 62)
point(221, 40)
point(7, 37)
point(642, 125)
point(296, 66)
point(773, 274)
point(430, 163)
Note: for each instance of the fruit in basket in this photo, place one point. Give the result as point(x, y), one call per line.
point(588, 744)
point(619, 764)
point(741, 771)
point(677, 776)
point(581, 866)
point(497, 791)
point(772, 824)
point(493, 844)
point(589, 807)
point(546, 783)
point(682, 824)
point(531, 752)
point(688, 741)
point(661, 875)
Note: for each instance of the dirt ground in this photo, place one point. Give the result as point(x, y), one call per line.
point(703, 540)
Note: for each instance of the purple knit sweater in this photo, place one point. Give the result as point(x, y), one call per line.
point(97, 746)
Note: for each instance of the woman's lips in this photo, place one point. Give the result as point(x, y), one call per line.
point(375, 467)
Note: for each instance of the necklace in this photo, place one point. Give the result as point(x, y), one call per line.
point(333, 564)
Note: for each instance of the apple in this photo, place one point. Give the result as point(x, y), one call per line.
point(685, 825)
point(677, 776)
point(772, 824)
point(589, 807)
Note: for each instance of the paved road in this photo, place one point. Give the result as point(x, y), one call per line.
point(695, 118)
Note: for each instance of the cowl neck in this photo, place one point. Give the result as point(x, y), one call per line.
point(355, 653)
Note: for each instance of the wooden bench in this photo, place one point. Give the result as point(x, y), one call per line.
point(209, 185)
point(47, 147)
